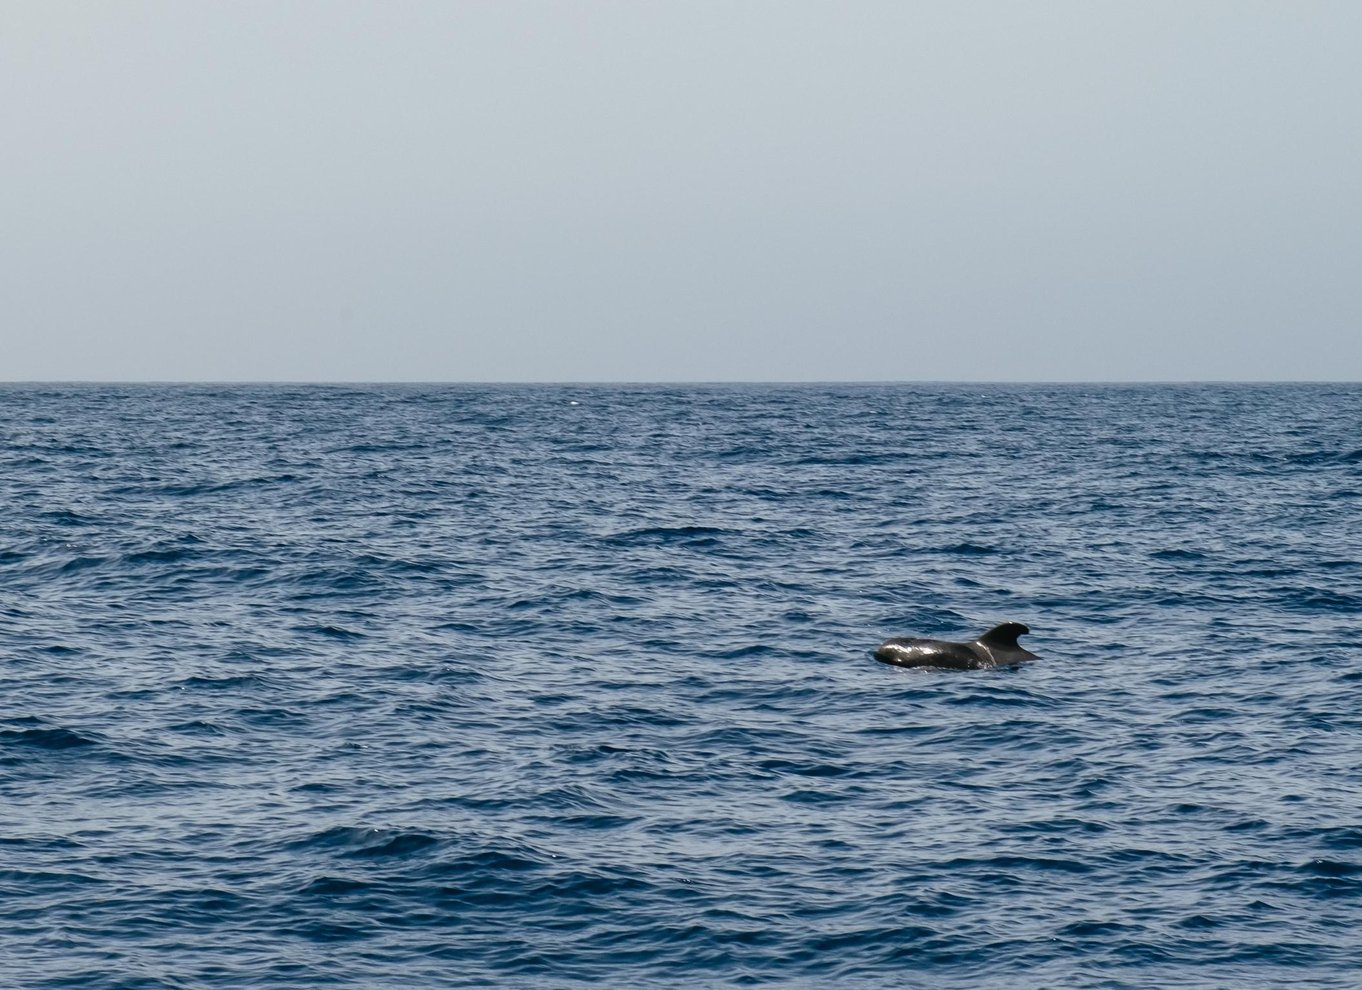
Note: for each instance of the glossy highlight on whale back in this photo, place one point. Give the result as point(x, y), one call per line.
point(996, 648)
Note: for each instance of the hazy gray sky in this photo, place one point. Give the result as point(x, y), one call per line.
point(517, 191)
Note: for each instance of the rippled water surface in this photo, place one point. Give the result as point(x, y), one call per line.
point(463, 686)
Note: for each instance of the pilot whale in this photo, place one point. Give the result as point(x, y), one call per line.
point(995, 648)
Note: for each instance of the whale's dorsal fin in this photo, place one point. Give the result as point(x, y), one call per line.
point(1004, 635)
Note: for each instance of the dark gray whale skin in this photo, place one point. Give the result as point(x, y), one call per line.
point(995, 648)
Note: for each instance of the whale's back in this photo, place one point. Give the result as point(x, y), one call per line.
point(914, 652)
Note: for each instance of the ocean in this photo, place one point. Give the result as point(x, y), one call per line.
point(541, 686)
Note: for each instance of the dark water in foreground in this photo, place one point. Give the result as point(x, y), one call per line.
point(427, 687)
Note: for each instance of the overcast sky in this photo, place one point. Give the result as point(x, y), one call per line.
point(680, 191)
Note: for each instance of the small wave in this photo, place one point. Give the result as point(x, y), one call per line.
point(1327, 457)
point(195, 489)
point(1178, 555)
point(486, 861)
point(198, 727)
point(1332, 868)
point(965, 550)
point(329, 886)
point(597, 822)
point(1319, 600)
point(1341, 837)
point(816, 797)
point(203, 682)
point(562, 595)
point(1094, 929)
point(68, 517)
point(367, 843)
point(168, 555)
point(81, 563)
point(46, 738)
point(750, 650)
point(329, 631)
point(692, 537)
point(875, 457)
point(402, 844)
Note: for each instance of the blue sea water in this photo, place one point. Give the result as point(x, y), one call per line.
point(549, 686)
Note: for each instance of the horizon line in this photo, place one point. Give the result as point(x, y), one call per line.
point(676, 382)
